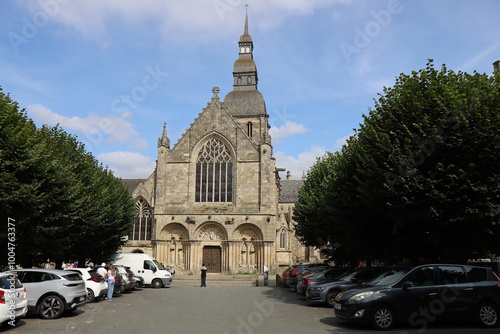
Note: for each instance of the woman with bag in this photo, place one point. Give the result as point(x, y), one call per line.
point(111, 281)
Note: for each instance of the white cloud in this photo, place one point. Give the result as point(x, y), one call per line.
point(94, 128)
point(342, 141)
point(299, 165)
point(128, 165)
point(288, 129)
point(195, 18)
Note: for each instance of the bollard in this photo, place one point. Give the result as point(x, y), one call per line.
point(266, 275)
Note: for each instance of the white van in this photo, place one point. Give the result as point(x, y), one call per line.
point(145, 265)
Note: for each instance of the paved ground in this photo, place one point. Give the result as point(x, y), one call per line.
point(211, 310)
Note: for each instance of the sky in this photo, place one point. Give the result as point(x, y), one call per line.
point(111, 72)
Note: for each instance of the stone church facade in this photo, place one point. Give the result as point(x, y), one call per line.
point(216, 196)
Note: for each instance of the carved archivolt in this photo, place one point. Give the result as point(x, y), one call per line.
point(211, 232)
point(174, 231)
point(248, 232)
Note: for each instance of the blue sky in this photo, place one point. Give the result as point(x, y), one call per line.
point(111, 72)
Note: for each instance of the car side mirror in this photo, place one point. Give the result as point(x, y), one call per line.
point(407, 284)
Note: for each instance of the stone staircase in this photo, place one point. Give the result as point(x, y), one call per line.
point(218, 280)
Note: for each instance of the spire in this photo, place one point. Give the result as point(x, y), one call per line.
point(245, 31)
point(245, 99)
point(245, 71)
point(164, 140)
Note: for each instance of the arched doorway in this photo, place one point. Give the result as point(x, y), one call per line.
point(213, 247)
point(212, 258)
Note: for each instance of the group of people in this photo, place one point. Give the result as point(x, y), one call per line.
point(109, 275)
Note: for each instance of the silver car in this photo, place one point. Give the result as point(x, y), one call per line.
point(13, 303)
point(52, 292)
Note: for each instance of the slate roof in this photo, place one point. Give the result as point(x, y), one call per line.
point(131, 184)
point(290, 190)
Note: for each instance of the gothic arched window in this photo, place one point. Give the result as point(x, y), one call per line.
point(214, 173)
point(249, 129)
point(143, 221)
point(283, 238)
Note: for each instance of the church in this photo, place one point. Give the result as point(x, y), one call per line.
point(216, 196)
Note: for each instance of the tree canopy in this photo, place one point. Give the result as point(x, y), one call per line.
point(61, 202)
point(420, 178)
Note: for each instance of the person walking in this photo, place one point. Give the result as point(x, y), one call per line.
point(111, 281)
point(203, 275)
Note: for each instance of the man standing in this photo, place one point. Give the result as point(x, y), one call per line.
point(102, 271)
point(203, 275)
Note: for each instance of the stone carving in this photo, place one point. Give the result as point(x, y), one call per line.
point(211, 232)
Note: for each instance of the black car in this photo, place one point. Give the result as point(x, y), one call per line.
point(323, 275)
point(422, 294)
point(325, 292)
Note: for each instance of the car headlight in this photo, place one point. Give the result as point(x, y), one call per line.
point(359, 297)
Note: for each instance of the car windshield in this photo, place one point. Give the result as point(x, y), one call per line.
point(159, 265)
point(346, 274)
point(389, 276)
point(10, 282)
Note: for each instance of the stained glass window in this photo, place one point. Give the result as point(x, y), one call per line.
point(214, 173)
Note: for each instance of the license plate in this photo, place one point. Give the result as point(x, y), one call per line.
point(337, 306)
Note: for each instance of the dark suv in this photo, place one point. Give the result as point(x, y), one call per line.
point(421, 294)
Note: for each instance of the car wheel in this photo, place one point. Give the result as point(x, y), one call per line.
point(157, 283)
point(330, 297)
point(51, 307)
point(487, 315)
point(382, 318)
point(90, 295)
point(118, 290)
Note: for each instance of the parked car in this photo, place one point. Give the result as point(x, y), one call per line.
point(421, 294)
point(128, 277)
point(292, 280)
point(139, 282)
point(13, 302)
point(52, 292)
point(119, 281)
point(324, 275)
point(311, 270)
point(148, 267)
point(284, 275)
point(324, 293)
point(95, 284)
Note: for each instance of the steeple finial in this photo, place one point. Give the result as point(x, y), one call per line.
point(246, 36)
point(164, 140)
point(245, 32)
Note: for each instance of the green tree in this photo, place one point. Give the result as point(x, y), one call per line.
point(66, 205)
point(421, 175)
